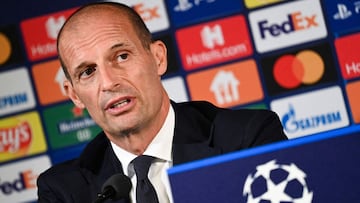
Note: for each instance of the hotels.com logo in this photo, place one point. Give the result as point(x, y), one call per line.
point(15, 139)
point(40, 34)
point(294, 23)
point(214, 42)
point(347, 49)
point(212, 36)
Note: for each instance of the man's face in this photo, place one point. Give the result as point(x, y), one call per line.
point(113, 76)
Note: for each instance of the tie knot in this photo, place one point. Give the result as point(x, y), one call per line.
point(141, 166)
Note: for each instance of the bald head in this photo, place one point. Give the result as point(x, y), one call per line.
point(85, 16)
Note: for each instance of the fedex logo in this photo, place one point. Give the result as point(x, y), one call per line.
point(153, 13)
point(18, 179)
point(25, 180)
point(147, 13)
point(295, 21)
point(287, 25)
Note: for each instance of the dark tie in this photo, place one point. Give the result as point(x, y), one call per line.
point(145, 192)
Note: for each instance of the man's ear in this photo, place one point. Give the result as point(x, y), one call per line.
point(159, 50)
point(72, 94)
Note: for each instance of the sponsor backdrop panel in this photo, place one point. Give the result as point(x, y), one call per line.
point(288, 24)
point(49, 77)
point(10, 52)
point(298, 58)
point(312, 112)
point(68, 125)
point(300, 69)
point(347, 49)
point(21, 135)
point(18, 179)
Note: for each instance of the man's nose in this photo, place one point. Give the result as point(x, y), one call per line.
point(108, 78)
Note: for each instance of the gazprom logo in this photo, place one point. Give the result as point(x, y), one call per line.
point(287, 25)
point(311, 112)
point(13, 100)
point(20, 96)
point(293, 124)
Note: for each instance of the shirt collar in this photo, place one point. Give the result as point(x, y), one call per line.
point(160, 147)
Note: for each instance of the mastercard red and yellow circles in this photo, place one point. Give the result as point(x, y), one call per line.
point(5, 50)
point(306, 67)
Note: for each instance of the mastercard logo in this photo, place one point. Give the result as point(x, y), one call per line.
point(306, 67)
point(5, 50)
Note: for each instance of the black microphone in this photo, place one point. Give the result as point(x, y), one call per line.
point(116, 187)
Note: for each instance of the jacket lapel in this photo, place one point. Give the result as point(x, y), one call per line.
point(183, 153)
point(192, 134)
point(192, 140)
point(99, 160)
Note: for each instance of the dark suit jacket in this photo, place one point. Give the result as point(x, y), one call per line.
point(201, 130)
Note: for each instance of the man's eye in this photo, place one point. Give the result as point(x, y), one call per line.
point(87, 72)
point(122, 57)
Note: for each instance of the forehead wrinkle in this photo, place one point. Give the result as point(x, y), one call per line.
point(94, 16)
point(88, 37)
point(95, 13)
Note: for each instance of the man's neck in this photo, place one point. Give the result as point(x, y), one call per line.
point(137, 143)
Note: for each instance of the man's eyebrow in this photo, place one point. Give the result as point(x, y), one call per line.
point(115, 46)
point(80, 67)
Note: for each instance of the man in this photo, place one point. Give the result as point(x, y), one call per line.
point(114, 69)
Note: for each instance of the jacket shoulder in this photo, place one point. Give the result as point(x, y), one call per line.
point(246, 128)
point(75, 180)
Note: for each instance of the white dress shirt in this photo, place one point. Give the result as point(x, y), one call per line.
point(161, 148)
